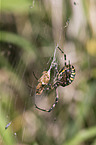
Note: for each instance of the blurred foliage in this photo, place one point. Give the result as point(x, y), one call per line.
point(29, 32)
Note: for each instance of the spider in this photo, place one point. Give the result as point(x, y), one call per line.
point(63, 77)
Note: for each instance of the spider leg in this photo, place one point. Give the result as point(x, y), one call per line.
point(56, 101)
point(29, 86)
point(63, 53)
point(35, 76)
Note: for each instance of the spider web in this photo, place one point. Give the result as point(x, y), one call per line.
point(17, 98)
point(20, 70)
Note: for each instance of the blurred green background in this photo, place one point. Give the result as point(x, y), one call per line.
point(29, 32)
